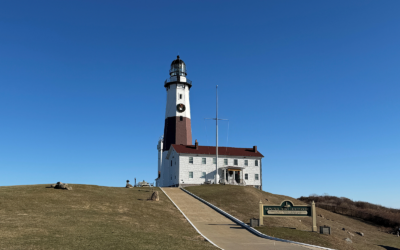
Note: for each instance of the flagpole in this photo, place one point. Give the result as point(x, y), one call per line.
point(216, 148)
point(216, 178)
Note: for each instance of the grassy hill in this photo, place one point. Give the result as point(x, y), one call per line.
point(92, 217)
point(242, 202)
point(380, 215)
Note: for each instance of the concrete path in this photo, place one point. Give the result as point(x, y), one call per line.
point(222, 231)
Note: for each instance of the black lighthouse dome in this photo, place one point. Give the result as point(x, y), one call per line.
point(178, 68)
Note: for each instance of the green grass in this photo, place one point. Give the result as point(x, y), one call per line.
point(92, 217)
point(243, 203)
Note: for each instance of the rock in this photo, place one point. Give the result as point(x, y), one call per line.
point(154, 196)
point(129, 186)
point(350, 234)
point(348, 240)
point(61, 185)
point(361, 234)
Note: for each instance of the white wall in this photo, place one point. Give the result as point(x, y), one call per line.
point(168, 171)
point(173, 99)
point(197, 168)
point(179, 171)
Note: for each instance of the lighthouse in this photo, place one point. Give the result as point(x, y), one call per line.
point(180, 163)
point(177, 127)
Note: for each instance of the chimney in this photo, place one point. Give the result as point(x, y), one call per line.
point(196, 145)
point(255, 149)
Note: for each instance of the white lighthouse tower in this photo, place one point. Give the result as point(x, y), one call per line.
point(177, 127)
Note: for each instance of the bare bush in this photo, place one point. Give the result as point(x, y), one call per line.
point(377, 214)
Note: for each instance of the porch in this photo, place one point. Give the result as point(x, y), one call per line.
point(232, 175)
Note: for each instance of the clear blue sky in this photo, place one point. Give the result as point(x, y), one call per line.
point(314, 84)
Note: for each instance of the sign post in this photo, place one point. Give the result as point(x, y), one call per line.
point(288, 209)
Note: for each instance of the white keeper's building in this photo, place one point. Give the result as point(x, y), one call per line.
point(180, 163)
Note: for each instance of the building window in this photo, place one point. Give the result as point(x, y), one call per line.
point(246, 162)
point(235, 162)
point(203, 160)
point(175, 177)
point(214, 160)
point(203, 174)
point(190, 174)
point(191, 160)
point(256, 177)
point(171, 163)
point(256, 163)
point(225, 161)
point(246, 176)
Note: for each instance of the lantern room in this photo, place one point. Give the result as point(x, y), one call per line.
point(178, 68)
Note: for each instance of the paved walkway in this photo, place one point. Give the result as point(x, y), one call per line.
point(221, 230)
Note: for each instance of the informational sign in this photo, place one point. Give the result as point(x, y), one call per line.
point(288, 209)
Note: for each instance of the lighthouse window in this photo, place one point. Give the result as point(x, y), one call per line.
point(171, 163)
point(180, 96)
point(181, 118)
point(191, 160)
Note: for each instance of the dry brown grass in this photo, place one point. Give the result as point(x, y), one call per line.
point(380, 215)
point(242, 202)
point(92, 217)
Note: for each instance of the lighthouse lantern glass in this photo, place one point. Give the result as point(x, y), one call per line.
point(178, 69)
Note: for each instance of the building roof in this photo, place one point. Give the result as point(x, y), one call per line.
point(178, 60)
point(210, 150)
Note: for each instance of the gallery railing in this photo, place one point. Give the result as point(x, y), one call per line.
point(187, 80)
